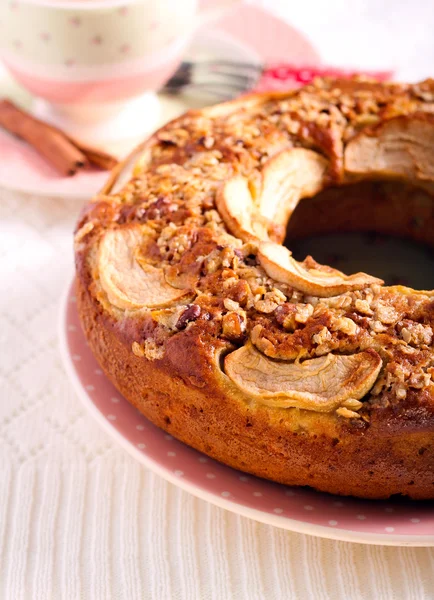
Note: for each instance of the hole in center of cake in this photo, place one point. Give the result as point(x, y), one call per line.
point(381, 228)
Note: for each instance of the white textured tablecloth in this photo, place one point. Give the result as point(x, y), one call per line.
point(80, 519)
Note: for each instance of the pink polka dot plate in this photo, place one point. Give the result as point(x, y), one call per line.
point(394, 522)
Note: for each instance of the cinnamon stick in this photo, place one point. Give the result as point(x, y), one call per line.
point(66, 154)
point(95, 156)
point(53, 145)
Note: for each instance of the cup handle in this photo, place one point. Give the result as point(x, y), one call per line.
point(213, 10)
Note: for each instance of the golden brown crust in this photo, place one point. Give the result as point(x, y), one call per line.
point(211, 294)
point(295, 449)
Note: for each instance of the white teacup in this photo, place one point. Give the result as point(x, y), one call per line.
point(86, 59)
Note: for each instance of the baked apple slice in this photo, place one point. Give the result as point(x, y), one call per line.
point(288, 176)
point(321, 281)
point(401, 147)
point(127, 283)
point(321, 384)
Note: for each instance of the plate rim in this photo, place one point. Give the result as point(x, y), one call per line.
point(286, 523)
point(20, 187)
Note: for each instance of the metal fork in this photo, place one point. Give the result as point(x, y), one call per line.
point(222, 78)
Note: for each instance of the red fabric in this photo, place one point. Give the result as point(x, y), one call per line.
point(284, 76)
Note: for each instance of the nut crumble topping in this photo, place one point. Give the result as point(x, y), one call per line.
point(174, 193)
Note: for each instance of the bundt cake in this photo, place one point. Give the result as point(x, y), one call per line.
point(199, 314)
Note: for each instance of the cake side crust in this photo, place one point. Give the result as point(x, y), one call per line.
point(323, 456)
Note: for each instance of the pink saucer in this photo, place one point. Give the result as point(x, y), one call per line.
point(394, 523)
point(251, 32)
point(23, 170)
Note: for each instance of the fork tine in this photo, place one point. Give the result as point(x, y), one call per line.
point(237, 65)
point(222, 78)
point(224, 87)
point(225, 72)
point(242, 78)
point(216, 93)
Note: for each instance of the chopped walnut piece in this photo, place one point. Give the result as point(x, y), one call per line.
point(239, 290)
point(303, 312)
point(323, 336)
point(289, 314)
point(419, 380)
point(285, 315)
point(227, 257)
point(265, 306)
point(363, 307)
point(401, 392)
point(168, 317)
point(386, 314)
point(191, 313)
point(269, 303)
point(342, 301)
point(231, 304)
point(416, 333)
point(260, 342)
point(345, 325)
point(234, 325)
point(213, 261)
point(377, 326)
point(229, 282)
point(406, 335)
point(276, 296)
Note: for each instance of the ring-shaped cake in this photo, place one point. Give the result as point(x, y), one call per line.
point(203, 319)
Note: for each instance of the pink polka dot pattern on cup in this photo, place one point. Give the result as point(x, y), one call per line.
point(293, 508)
point(75, 21)
point(125, 48)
